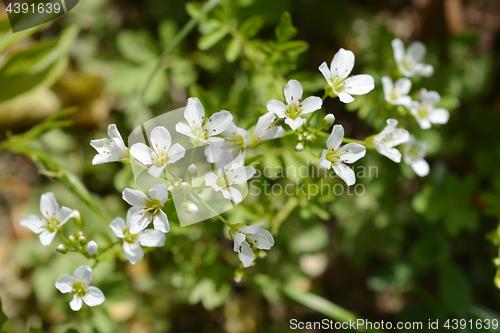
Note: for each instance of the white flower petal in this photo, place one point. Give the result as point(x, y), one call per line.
point(335, 139)
point(64, 214)
point(345, 173)
point(142, 153)
point(398, 48)
point(34, 223)
point(99, 159)
point(311, 104)
point(251, 229)
point(430, 98)
point(83, 274)
point(425, 70)
point(359, 84)
point(160, 222)
point(262, 240)
point(423, 123)
point(139, 220)
point(48, 205)
point(323, 161)
point(277, 107)
point(245, 254)
point(152, 238)
point(65, 283)
point(353, 152)
point(156, 171)
point(391, 153)
point(47, 237)
point(176, 153)
point(342, 64)
point(160, 139)
point(193, 113)
point(76, 303)
point(184, 129)
point(135, 198)
point(439, 116)
point(133, 252)
point(118, 226)
point(323, 68)
point(234, 195)
point(159, 192)
point(94, 296)
point(421, 167)
point(345, 97)
point(387, 85)
point(402, 86)
point(238, 238)
point(416, 51)
point(293, 92)
point(215, 141)
point(294, 123)
point(218, 122)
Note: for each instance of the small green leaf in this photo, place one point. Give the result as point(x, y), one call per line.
point(7, 37)
point(454, 288)
point(295, 47)
point(233, 49)
point(212, 38)
point(285, 30)
point(3, 317)
point(251, 27)
point(137, 45)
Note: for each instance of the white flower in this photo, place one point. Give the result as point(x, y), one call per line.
point(390, 137)
point(52, 221)
point(199, 132)
point(338, 80)
point(229, 173)
point(414, 152)
point(79, 284)
point(246, 235)
point(92, 248)
point(161, 154)
point(132, 242)
point(112, 149)
point(295, 106)
point(425, 111)
point(236, 135)
point(189, 207)
point(336, 156)
point(263, 130)
point(409, 62)
point(397, 93)
point(147, 209)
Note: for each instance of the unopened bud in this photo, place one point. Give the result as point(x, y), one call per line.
point(171, 188)
point(61, 248)
point(186, 187)
point(496, 261)
point(497, 281)
point(92, 248)
point(238, 275)
point(299, 146)
point(192, 169)
point(177, 182)
point(71, 240)
point(311, 137)
point(82, 240)
point(327, 122)
point(299, 137)
point(262, 254)
point(78, 219)
point(189, 207)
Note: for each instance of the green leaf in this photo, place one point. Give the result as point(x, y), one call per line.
point(251, 27)
point(167, 32)
point(184, 73)
point(295, 47)
point(137, 45)
point(7, 37)
point(233, 49)
point(37, 66)
point(454, 288)
point(285, 30)
point(3, 317)
point(212, 38)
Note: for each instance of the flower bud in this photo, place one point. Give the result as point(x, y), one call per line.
point(82, 240)
point(262, 254)
point(192, 169)
point(299, 136)
point(311, 137)
point(78, 219)
point(299, 146)
point(177, 182)
point(61, 248)
point(92, 248)
point(497, 281)
point(327, 122)
point(189, 207)
point(171, 188)
point(238, 275)
point(71, 239)
point(496, 261)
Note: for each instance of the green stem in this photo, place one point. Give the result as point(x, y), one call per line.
point(190, 25)
point(98, 257)
point(347, 140)
point(324, 97)
point(310, 151)
point(211, 209)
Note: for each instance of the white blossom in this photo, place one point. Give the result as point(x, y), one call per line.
point(396, 93)
point(110, 149)
point(162, 153)
point(426, 112)
point(230, 172)
point(338, 80)
point(263, 130)
point(295, 106)
point(409, 62)
point(147, 209)
point(236, 135)
point(390, 137)
point(336, 155)
point(414, 153)
point(132, 242)
point(51, 222)
point(246, 235)
point(79, 284)
point(201, 132)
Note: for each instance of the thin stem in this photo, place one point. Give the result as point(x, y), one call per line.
point(310, 151)
point(211, 209)
point(324, 97)
point(190, 25)
point(347, 140)
point(64, 238)
point(98, 258)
